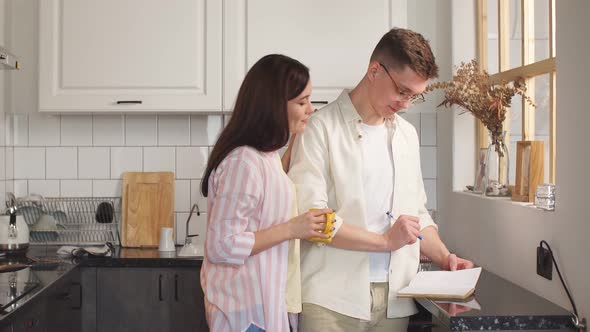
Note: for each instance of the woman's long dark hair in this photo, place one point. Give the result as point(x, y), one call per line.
point(260, 116)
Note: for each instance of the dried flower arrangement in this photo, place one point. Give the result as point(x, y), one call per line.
point(472, 90)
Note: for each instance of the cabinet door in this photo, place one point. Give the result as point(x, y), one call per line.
point(64, 304)
point(130, 55)
point(334, 38)
point(188, 309)
point(33, 318)
point(132, 299)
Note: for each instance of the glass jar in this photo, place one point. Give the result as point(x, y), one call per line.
point(545, 196)
point(495, 181)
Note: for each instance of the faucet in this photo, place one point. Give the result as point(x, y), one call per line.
point(187, 240)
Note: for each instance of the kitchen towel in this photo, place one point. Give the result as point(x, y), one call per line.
point(72, 251)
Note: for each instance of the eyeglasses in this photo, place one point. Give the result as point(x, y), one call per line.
point(403, 96)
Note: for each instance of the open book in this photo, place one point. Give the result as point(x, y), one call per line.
point(442, 284)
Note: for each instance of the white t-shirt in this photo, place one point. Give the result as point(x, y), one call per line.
point(378, 180)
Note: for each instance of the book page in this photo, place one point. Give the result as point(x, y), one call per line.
point(442, 283)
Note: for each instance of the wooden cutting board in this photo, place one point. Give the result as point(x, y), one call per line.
point(148, 205)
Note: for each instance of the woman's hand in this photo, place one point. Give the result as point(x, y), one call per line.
point(309, 224)
point(405, 230)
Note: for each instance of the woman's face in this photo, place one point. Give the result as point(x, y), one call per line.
point(299, 109)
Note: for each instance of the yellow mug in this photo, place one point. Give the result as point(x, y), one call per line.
point(327, 230)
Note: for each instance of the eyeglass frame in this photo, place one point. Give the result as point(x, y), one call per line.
point(402, 96)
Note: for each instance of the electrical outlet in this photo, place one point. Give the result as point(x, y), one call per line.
point(544, 263)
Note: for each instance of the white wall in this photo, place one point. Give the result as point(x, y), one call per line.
point(502, 236)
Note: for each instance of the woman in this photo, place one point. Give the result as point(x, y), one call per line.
point(250, 200)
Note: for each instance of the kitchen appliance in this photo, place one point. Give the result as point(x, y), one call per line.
point(191, 249)
point(14, 232)
point(148, 205)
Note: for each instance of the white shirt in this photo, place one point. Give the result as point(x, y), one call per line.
point(378, 187)
point(326, 168)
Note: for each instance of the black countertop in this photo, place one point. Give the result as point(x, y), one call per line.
point(499, 305)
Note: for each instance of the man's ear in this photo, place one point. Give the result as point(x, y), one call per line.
point(372, 70)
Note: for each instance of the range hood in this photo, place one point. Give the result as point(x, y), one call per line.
point(7, 60)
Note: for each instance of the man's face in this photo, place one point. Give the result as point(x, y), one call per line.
point(393, 90)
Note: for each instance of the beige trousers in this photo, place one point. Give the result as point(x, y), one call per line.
point(315, 318)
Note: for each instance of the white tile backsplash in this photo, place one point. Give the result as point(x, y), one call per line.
point(29, 163)
point(76, 188)
point(106, 188)
point(430, 188)
point(45, 188)
point(76, 130)
point(197, 197)
point(94, 163)
point(158, 159)
point(62, 163)
point(141, 130)
point(3, 191)
point(414, 119)
point(205, 129)
point(182, 195)
point(428, 129)
point(10, 186)
point(173, 130)
point(108, 130)
point(126, 159)
point(21, 188)
point(9, 163)
point(105, 146)
point(191, 162)
point(44, 130)
point(428, 161)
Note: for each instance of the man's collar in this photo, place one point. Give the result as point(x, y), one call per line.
point(350, 114)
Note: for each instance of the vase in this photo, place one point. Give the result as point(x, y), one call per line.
point(495, 182)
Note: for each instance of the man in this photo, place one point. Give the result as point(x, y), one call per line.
point(358, 157)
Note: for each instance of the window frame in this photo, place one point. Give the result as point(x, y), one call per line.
point(528, 71)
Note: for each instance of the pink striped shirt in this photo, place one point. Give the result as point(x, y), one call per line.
point(249, 191)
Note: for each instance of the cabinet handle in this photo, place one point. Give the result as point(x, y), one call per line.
point(119, 102)
point(79, 290)
point(160, 288)
point(176, 287)
point(323, 102)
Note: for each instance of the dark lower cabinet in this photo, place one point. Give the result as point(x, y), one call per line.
point(31, 318)
point(57, 309)
point(64, 304)
point(115, 300)
point(149, 299)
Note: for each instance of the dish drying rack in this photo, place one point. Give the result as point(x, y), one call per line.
point(77, 219)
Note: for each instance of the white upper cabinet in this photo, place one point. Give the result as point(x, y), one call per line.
point(130, 56)
point(334, 38)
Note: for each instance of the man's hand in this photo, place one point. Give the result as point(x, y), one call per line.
point(454, 263)
point(452, 308)
point(405, 230)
